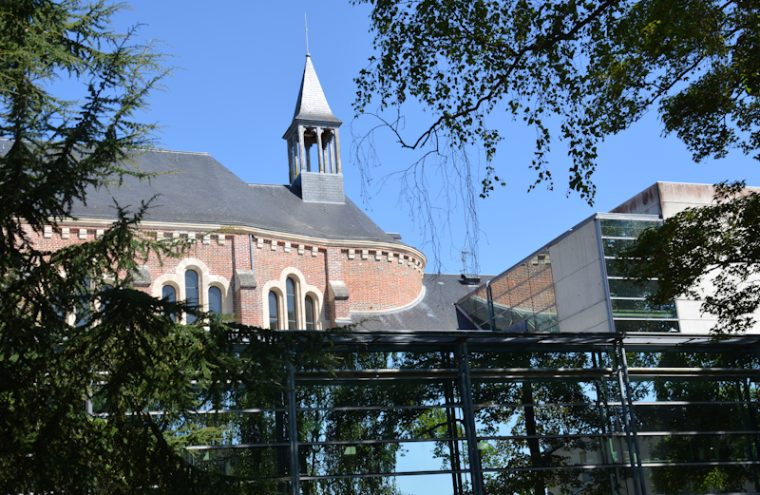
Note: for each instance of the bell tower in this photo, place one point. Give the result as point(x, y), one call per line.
point(313, 142)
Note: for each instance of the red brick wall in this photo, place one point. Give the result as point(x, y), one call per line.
point(374, 283)
point(269, 265)
point(379, 284)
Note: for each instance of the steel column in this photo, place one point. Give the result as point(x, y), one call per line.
point(295, 481)
point(491, 313)
point(754, 446)
point(451, 425)
point(606, 447)
point(629, 420)
point(468, 415)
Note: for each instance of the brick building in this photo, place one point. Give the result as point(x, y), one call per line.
point(300, 255)
point(304, 256)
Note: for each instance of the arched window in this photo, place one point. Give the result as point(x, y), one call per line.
point(169, 294)
point(309, 312)
point(274, 310)
point(215, 300)
point(192, 292)
point(291, 300)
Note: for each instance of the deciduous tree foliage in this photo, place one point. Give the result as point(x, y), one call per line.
point(715, 246)
point(575, 70)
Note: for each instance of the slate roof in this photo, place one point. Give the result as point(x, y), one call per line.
point(312, 103)
point(195, 188)
point(435, 311)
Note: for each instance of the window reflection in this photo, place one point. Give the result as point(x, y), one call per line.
point(274, 311)
point(291, 301)
point(215, 300)
point(192, 292)
point(169, 294)
point(630, 309)
point(568, 431)
point(523, 299)
point(309, 310)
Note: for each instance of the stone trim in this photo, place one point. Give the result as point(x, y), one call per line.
point(302, 290)
point(141, 276)
point(246, 279)
point(206, 280)
point(337, 290)
point(257, 232)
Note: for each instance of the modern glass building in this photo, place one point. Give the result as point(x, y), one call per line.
point(574, 284)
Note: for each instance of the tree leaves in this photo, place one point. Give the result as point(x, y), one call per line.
point(576, 70)
point(710, 253)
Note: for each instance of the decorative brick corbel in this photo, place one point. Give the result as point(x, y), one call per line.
point(338, 291)
point(140, 276)
point(246, 279)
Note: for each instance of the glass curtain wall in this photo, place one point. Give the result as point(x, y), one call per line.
point(630, 310)
point(521, 299)
point(462, 415)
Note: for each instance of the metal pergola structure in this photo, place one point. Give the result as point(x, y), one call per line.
point(463, 374)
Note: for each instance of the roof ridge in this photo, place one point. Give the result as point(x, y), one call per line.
point(146, 148)
point(253, 184)
point(180, 152)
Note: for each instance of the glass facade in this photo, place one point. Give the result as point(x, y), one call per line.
point(483, 413)
point(579, 291)
point(630, 310)
point(521, 299)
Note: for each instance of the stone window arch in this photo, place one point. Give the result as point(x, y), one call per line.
point(215, 299)
point(274, 309)
point(178, 279)
point(292, 289)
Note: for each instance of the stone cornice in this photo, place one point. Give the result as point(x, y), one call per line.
point(257, 231)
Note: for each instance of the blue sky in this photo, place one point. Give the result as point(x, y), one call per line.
point(236, 70)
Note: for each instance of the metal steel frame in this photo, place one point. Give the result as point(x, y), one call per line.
point(460, 374)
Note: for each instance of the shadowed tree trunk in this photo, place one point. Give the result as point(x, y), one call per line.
point(533, 443)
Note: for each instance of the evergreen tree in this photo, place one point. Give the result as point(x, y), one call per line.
point(83, 356)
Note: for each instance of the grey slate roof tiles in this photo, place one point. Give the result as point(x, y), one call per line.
point(195, 188)
point(312, 103)
point(435, 311)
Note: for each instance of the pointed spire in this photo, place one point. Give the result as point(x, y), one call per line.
point(312, 104)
